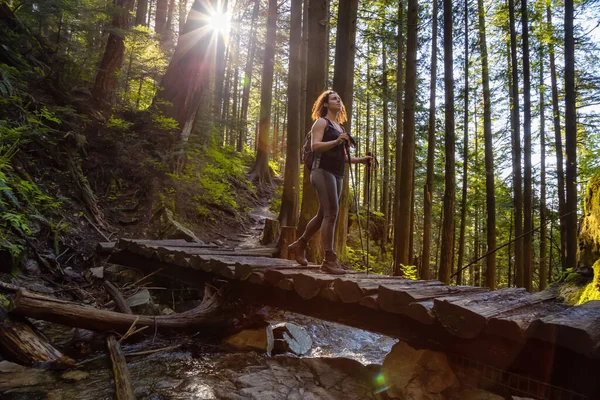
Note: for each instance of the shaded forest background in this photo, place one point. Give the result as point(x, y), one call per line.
point(134, 117)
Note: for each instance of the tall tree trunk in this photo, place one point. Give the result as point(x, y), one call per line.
point(408, 141)
point(560, 174)
point(543, 267)
point(167, 31)
point(160, 18)
point(303, 69)
point(221, 40)
point(386, 151)
point(141, 12)
point(447, 256)
point(182, 14)
point(399, 126)
point(260, 171)
point(490, 196)
point(343, 83)
point(428, 192)
point(247, 82)
point(288, 215)
point(187, 79)
point(316, 83)
point(570, 140)
point(107, 76)
point(516, 147)
point(527, 179)
point(463, 201)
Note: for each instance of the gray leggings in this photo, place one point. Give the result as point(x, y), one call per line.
point(329, 188)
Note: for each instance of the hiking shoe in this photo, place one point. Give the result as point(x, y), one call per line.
point(299, 248)
point(331, 265)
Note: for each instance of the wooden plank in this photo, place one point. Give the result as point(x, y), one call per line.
point(328, 293)
point(392, 301)
point(257, 252)
point(168, 242)
point(286, 284)
point(308, 285)
point(467, 315)
point(405, 297)
point(351, 291)
point(421, 311)
point(273, 276)
point(513, 324)
point(369, 302)
point(576, 328)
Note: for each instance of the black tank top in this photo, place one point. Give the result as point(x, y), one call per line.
point(334, 159)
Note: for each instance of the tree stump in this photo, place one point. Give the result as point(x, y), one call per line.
point(287, 237)
point(271, 232)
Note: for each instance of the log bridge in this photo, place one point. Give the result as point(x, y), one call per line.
point(510, 330)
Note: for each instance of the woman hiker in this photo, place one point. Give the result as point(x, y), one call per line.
point(328, 139)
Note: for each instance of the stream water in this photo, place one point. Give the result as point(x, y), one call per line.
point(343, 363)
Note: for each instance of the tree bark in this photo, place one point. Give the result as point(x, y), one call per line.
point(260, 171)
point(447, 255)
point(288, 214)
point(316, 82)
point(107, 76)
point(428, 192)
point(188, 77)
point(527, 179)
point(560, 174)
point(516, 147)
point(543, 271)
point(570, 140)
point(160, 18)
point(343, 83)
point(490, 196)
point(463, 201)
point(27, 304)
point(398, 187)
point(408, 140)
point(20, 343)
point(386, 150)
point(141, 12)
point(247, 83)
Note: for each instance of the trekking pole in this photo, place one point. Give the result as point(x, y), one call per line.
point(362, 246)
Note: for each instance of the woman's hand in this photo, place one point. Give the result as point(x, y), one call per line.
point(343, 138)
point(368, 160)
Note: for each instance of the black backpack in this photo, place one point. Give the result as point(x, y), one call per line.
point(306, 154)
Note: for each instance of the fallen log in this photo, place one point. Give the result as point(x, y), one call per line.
point(20, 343)
point(123, 387)
point(208, 314)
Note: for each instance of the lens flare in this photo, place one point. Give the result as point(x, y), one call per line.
point(219, 22)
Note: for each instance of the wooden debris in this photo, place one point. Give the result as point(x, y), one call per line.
point(421, 311)
point(123, 388)
point(80, 316)
point(21, 343)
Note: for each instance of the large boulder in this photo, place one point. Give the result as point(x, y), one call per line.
point(416, 374)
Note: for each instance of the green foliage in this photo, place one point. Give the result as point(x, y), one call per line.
point(163, 123)
point(118, 124)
